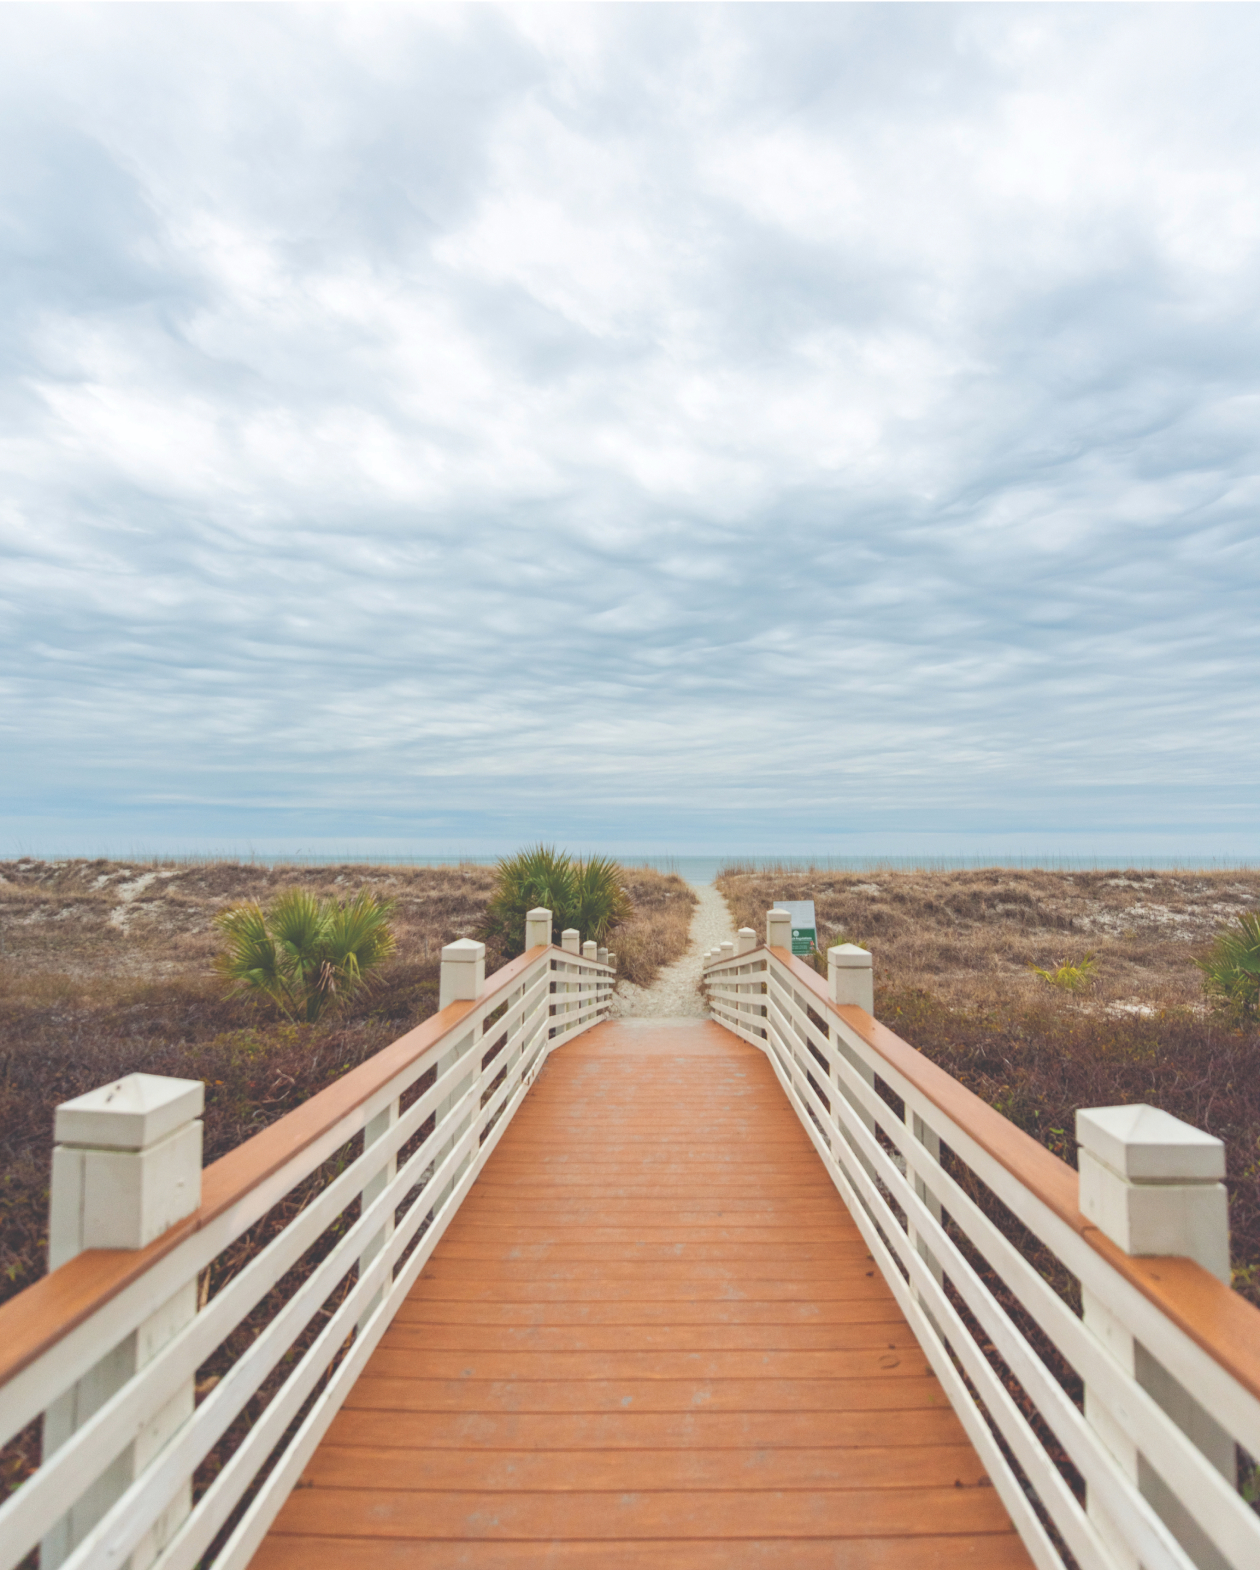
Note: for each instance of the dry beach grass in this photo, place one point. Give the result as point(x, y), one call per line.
point(953, 953)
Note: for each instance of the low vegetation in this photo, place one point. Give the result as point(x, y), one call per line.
point(1046, 991)
point(1231, 971)
point(586, 895)
point(656, 935)
point(307, 956)
point(107, 968)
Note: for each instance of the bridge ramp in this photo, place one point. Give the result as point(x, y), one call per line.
point(652, 1336)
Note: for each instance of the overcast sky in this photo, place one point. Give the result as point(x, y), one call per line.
point(767, 429)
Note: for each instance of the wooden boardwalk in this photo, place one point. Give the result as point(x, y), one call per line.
point(652, 1336)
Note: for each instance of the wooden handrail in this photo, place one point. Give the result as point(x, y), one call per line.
point(32, 1323)
point(1216, 1318)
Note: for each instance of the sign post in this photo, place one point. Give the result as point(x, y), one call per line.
point(804, 925)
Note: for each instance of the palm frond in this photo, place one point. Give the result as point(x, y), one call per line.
point(602, 901)
point(542, 876)
point(1231, 971)
point(307, 955)
point(358, 937)
point(249, 960)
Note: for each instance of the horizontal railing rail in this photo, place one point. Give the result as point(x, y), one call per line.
point(106, 1348)
point(1144, 1469)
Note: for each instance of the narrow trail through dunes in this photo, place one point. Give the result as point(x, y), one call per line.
point(675, 993)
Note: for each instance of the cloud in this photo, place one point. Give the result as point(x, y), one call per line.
point(756, 425)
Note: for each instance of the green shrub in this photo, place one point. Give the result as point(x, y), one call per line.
point(1071, 978)
point(588, 895)
point(307, 955)
point(1231, 971)
point(602, 902)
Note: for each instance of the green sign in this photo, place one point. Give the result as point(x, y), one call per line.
point(804, 925)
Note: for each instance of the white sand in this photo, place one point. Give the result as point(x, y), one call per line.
point(675, 992)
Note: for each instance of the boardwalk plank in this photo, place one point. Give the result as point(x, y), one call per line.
point(652, 1336)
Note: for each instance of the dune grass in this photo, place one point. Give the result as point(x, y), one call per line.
point(1045, 991)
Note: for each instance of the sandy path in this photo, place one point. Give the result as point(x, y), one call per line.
point(674, 994)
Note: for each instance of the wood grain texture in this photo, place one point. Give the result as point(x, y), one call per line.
point(650, 1337)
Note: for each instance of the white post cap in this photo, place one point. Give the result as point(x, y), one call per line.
point(464, 951)
point(1151, 1183)
point(851, 977)
point(590, 949)
point(570, 939)
point(1147, 1145)
point(603, 956)
point(126, 1165)
point(131, 1114)
point(612, 959)
point(463, 974)
point(727, 951)
point(747, 940)
point(778, 929)
point(538, 928)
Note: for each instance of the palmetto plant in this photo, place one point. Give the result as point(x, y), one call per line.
point(585, 894)
point(1070, 977)
point(1231, 971)
point(602, 903)
point(306, 955)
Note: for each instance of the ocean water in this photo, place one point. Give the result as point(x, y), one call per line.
point(704, 869)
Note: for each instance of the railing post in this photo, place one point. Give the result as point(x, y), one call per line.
point(463, 977)
point(612, 959)
point(463, 972)
point(745, 942)
point(538, 935)
point(588, 983)
point(571, 943)
point(851, 976)
point(727, 951)
point(538, 928)
point(126, 1167)
point(1152, 1184)
point(851, 980)
point(376, 1128)
point(603, 983)
point(778, 929)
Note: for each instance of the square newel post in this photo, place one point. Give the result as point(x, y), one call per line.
point(126, 1168)
point(603, 956)
point(851, 980)
point(779, 929)
point(612, 959)
point(538, 928)
point(571, 943)
point(851, 976)
point(463, 979)
point(726, 951)
point(463, 971)
point(1152, 1184)
point(588, 983)
point(745, 943)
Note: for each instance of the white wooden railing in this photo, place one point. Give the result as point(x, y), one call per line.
point(1168, 1356)
point(106, 1348)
